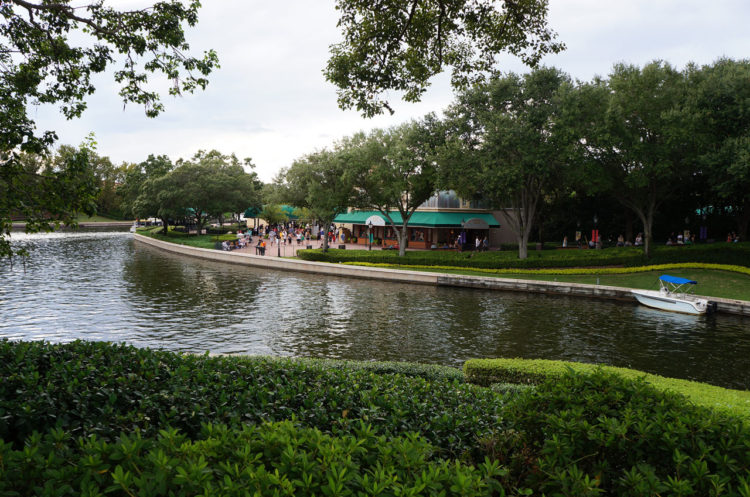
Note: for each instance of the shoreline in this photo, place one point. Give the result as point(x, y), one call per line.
point(729, 306)
point(85, 224)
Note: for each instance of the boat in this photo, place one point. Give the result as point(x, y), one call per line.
point(673, 295)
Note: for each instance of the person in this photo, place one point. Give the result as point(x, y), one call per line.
point(639, 240)
point(730, 237)
point(680, 239)
point(485, 244)
point(565, 241)
point(224, 245)
point(621, 241)
point(477, 244)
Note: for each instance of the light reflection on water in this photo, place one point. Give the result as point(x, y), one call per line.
point(103, 286)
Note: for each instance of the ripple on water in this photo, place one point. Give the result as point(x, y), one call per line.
point(103, 286)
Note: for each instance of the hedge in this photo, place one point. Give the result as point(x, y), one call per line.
point(269, 459)
point(94, 419)
point(737, 254)
point(602, 434)
point(94, 388)
point(534, 371)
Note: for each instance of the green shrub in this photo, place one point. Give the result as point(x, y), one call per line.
point(591, 434)
point(412, 369)
point(271, 459)
point(91, 388)
point(534, 371)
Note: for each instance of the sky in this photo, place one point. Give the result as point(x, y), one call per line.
point(270, 102)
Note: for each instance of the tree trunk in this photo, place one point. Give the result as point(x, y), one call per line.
point(402, 239)
point(165, 225)
point(523, 246)
point(325, 241)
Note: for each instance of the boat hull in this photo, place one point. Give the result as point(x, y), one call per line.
point(671, 302)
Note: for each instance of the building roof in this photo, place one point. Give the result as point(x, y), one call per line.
point(426, 219)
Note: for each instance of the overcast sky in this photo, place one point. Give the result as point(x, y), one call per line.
point(269, 100)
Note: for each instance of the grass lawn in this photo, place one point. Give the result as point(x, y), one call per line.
point(200, 241)
point(83, 218)
point(711, 283)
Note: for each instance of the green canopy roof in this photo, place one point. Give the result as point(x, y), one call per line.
point(425, 219)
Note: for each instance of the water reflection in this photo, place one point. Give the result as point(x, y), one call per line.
point(104, 286)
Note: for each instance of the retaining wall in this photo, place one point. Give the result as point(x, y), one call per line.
point(730, 306)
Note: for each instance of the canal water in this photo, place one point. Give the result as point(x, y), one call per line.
point(102, 285)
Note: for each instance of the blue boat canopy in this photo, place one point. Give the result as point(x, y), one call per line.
point(676, 280)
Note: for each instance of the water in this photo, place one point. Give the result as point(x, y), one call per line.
point(102, 285)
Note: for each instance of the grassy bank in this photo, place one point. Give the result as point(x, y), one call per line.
point(200, 241)
point(717, 253)
point(89, 418)
point(711, 282)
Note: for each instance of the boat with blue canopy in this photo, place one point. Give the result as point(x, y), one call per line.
point(674, 295)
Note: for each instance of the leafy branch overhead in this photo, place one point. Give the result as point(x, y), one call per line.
point(399, 45)
point(44, 59)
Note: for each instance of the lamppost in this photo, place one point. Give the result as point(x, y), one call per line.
point(369, 235)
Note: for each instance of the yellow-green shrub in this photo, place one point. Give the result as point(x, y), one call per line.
point(534, 371)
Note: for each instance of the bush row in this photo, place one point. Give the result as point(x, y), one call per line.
point(126, 421)
point(90, 388)
point(487, 372)
point(733, 254)
point(269, 459)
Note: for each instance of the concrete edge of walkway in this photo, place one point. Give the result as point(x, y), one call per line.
point(730, 306)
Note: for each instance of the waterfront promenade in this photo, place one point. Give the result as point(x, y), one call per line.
point(271, 261)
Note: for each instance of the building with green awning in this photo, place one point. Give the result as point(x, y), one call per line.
point(427, 229)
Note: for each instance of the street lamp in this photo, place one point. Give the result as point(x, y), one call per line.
point(369, 235)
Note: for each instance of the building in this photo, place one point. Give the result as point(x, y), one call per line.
point(437, 223)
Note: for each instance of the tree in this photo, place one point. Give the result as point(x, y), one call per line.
point(39, 64)
point(505, 145)
point(318, 184)
point(399, 45)
point(639, 137)
point(46, 191)
point(720, 94)
point(208, 185)
point(136, 200)
point(395, 170)
point(273, 214)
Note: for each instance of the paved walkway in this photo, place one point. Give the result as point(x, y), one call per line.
point(287, 250)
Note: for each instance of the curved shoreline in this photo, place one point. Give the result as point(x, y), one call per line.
point(729, 306)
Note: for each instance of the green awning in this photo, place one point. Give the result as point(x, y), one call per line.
point(472, 220)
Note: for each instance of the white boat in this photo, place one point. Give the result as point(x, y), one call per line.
point(672, 296)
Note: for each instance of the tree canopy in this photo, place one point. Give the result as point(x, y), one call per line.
point(507, 146)
point(399, 45)
point(49, 52)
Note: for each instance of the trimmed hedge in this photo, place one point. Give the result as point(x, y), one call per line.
point(732, 254)
point(428, 372)
point(94, 419)
point(270, 459)
point(535, 371)
point(602, 434)
point(94, 388)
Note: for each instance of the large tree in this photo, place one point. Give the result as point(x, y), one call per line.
point(639, 136)
point(394, 170)
point(720, 95)
point(400, 44)
point(136, 201)
point(505, 145)
point(49, 52)
point(206, 186)
point(319, 183)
